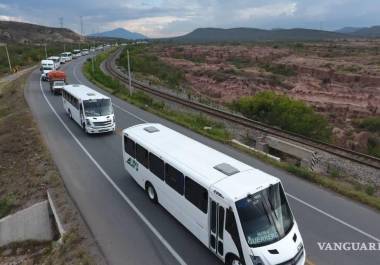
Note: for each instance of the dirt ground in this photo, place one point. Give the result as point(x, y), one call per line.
point(26, 172)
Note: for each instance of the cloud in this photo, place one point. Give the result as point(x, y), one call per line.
point(11, 18)
point(150, 26)
point(273, 10)
point(157, 18)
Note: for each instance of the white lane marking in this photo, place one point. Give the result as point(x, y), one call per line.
point(291, 196)
point(117, 106)
point(334, 218)
point(127, 200)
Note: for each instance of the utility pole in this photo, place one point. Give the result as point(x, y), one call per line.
point(61, 22)
point(92, 61)
point(129, 75)
point(45, 51)
point(9, 60)
point(64, 47)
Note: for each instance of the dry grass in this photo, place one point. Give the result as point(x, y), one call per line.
point(26, 172)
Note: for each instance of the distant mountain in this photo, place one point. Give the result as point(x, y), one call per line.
point(253, 34)
point(120, 33)
point(11, 31)
point(348, 30)
point(371, 32)
point(366, 32)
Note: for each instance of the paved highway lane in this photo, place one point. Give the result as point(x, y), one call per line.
point(125, 239)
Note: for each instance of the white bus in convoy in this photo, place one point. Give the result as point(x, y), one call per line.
point(66, 57)
point(46, 67)
point(56, 60)
point(240, 213)
point(90, 109)
point(76, 54)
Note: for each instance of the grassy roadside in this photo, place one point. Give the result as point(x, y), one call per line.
point(26, 171)
point(343, 185)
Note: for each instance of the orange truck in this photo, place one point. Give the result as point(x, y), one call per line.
point(57, 80)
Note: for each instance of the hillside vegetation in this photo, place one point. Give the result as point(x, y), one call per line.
point(19, 32)
point(147, 63)
point(22, 55)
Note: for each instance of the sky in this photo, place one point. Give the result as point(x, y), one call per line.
point(166, 18)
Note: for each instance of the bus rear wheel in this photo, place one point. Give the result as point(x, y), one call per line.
point(151, 192)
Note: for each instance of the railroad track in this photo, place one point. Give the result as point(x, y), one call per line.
point(329, 148)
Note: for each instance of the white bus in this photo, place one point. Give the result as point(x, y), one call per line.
point(76, 54)
point(46, 67)
point(90, 109)
point(66, 57)
point(240, 213)
point(56, 60)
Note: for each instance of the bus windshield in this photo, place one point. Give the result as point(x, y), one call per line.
point(265, 216)
point(97, 107)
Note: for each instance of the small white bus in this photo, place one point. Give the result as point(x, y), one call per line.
point(56, 60)
point(240, 213)
point(90, 109)
point(66, 56)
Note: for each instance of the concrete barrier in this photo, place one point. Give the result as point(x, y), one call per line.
point(32, 223)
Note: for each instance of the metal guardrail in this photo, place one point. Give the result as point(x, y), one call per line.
point(360, 158)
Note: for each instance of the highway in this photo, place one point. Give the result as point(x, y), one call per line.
point(131, 230)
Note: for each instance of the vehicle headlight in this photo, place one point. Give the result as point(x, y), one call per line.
point(88, 122)
point(256, 260)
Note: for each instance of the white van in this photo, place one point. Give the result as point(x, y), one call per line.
point(46, 67)
point(239, 212)
point(90, 109)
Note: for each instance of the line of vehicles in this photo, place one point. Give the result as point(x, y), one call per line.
point(240, 213)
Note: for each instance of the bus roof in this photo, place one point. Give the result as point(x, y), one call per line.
point(207, 166)
point(83, 92)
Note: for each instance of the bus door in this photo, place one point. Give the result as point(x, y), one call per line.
point(217, 223)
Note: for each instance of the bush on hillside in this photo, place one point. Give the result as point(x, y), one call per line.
point(286, 113)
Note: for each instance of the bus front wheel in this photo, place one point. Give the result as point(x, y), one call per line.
point(152, 195)
point(233, 260)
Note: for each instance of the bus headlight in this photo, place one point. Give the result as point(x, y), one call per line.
point(256, 260)
point(88, 122)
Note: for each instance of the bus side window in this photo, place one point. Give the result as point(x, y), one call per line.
point(142, 155)
point(129, 146)
point(196, 194)
point(156, 165)
point(174, 178)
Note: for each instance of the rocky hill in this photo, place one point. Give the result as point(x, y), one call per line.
point(19, 32)
point(253, 34)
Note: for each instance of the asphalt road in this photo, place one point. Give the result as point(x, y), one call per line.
point(131, 230)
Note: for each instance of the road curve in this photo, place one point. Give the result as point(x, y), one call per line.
point(130, 230)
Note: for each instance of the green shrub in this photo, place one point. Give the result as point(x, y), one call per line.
point(278, 69)
point(6, 205)
point(371, 124)
point(286, 113)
